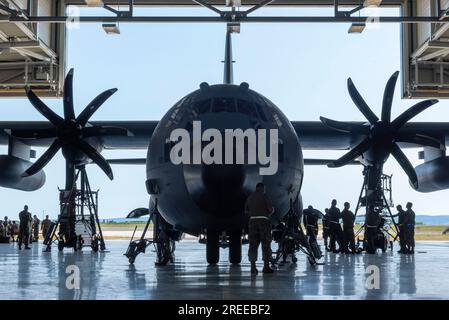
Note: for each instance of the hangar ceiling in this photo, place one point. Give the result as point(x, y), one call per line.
point(425, 51)
point(30, 53)
point(33, 36)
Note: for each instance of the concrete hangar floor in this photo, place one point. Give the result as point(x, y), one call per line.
point(35, 274)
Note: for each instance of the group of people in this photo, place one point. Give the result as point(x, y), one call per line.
point(258, 208)
point(334, 234)
point(406, 225)
point(26, 231)
point(9, 229)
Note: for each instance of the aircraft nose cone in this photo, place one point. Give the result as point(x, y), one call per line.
point(220, 190)
point(222, 178)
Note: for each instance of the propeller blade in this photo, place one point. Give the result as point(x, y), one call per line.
point(42, 108)
point(345, 126)
point(44, 159)
point(412, 112)
point(388, 97)
point(360, 103)
point(33, 134)
point(93, 106)
point(104, 131)
point(419, 139)
point(137, 213)
point(69, 112)
point(405, 163)
point(352, 154)
point(96, 157)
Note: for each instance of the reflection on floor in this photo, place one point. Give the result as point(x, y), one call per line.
point(35, 274)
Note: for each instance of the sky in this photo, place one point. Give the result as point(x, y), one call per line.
point(302, 68)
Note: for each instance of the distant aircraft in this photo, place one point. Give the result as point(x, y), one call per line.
point(208, 199)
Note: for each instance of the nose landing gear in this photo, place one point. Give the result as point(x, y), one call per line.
point(164, 240)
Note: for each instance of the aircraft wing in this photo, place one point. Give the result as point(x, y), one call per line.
point(314, 135)
point(139, 135)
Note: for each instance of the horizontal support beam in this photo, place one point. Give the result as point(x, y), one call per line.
point(434, 55)
point(289, 3)
point(439, 44)
point(19, 44)
point(226, 19)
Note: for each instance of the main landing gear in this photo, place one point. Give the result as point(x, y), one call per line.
point(164, 240)
point(230, 239)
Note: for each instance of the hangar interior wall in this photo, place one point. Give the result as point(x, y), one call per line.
point(31, 54)
point(425, 50)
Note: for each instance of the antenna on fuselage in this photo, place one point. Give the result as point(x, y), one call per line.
point(228, 74)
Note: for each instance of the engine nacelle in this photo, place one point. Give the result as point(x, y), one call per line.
point(433, 175)
point(11, 170)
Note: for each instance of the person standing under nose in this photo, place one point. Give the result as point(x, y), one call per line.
point(24, 227)
point(258, 207)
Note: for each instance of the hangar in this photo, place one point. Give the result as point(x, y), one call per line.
point(33, 35)
point(32, 57)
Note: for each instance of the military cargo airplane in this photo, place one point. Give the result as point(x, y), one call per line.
point(207, 198)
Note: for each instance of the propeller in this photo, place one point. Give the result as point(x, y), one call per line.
point(69, 132)
point(382, 135)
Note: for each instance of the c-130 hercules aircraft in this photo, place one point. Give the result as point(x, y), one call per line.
point(208, 199)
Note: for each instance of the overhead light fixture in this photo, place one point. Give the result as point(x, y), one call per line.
point(111, 28)
point(233, 3)
point(233, 27)
point(94, 3)
point(372, 3)
point(357, 28)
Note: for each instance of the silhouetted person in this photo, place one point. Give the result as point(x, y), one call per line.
point(14, 231)
point(326, 229)
point(310, 221)
point(4, 228)
point(402, 231)
point(35, 226)
point(372, 222)
point(336, 233)
point(45, 226)
point(24, 227)
point(410, 228)
point(348, 218)
point(258, 207)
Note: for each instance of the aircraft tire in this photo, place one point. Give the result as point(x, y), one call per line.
point(212, 247)
point(235, 247)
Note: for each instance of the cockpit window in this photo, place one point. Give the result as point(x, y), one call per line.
point(277, 119)
point(246, 107)
point(202, 106)
point(260, 111)
point(223, 105)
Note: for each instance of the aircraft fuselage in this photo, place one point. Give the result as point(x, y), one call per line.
point(199, 196)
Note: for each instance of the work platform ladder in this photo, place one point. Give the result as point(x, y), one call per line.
point(78, 224)
point(382, 200)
